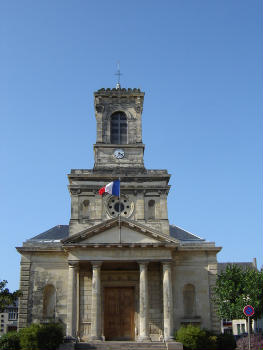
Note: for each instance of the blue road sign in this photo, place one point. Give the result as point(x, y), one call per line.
point(249, 310)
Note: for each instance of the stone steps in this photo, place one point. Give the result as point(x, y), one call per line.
point(118, 345)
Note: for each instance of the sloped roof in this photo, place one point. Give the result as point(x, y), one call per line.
point(243, 265)
point(182, 235)
point(56, 233)
point(60, 232)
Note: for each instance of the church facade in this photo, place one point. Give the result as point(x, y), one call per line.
point(119, 270)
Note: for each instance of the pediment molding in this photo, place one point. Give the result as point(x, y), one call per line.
point(84, 235)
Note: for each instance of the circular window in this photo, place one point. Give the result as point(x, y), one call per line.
point(114, 206)
point(118, 206)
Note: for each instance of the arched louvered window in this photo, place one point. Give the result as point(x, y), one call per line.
point(49, 301)
point(118, 128)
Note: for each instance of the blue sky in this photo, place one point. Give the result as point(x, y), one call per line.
point(199, 63)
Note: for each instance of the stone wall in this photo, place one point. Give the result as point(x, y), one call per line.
point(37, 272)
point(24, 314)
point(212, 276)
point(195, 268)
point(88, 208)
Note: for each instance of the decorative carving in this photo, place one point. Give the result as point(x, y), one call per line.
point(99, 108)
point(138, 109)
point(75, 191)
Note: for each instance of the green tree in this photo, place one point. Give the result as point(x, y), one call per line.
point(236, 288)
point(6, 297)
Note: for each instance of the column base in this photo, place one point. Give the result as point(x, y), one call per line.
point(144, 338)
point(174, 345)
point(168, 339)
point(94, 337)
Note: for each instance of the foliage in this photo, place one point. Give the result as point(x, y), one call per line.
point(256, 341)
point(6, 297)
point(195, 338)
point(28, 337)
point(50, 336)
point(41, 337)
point(226, 342)
point(236, 288)
point(10, 341)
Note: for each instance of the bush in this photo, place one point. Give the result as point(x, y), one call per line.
point(28, 337)
point(41, 337)
point(195, 338)
point(256, 341)
point(10, 341)
point(50, 336)
point(226, 342)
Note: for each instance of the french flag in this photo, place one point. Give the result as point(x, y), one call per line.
point(111, 188)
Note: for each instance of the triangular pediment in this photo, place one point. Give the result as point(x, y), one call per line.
point(113, 232)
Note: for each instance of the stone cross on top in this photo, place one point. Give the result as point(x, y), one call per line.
point(118, 73)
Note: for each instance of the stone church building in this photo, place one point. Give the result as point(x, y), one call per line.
point(107, 276)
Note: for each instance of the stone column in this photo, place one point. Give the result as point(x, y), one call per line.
point(96, 301)
point(72, 299)
point(143, 315)
point(168, 328)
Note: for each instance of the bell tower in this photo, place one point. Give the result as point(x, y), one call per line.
point(118, 154)
point(119, 132)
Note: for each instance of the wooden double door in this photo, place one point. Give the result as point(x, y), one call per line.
point(119, 313)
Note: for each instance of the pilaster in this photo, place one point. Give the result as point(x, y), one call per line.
point(25, 266)
point(96, 301)
point(72, 300)
point(167, 302)
point(144, 304)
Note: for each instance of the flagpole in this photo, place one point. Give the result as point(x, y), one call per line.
point(120, 210)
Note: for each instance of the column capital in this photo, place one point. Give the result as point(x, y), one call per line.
point(73, 264)
point(96, 264)
point(167, 264)
point(143, 262)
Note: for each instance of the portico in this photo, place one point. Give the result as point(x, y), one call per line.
point(133, 266)
point(141, 293)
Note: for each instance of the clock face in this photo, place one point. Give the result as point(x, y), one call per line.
point(119, 153)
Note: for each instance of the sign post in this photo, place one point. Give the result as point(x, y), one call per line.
point(248, 311)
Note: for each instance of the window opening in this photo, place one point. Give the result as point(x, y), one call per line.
point(151, 209)
point(49, 301)
point(119, 128)
point(189, 300)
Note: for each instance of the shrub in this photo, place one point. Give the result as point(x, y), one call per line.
point(10, 341)
point(28, 337)
point(226, 342)
point(41, 337)
point(195, 338)
point(50, 336)
point(256, 341)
